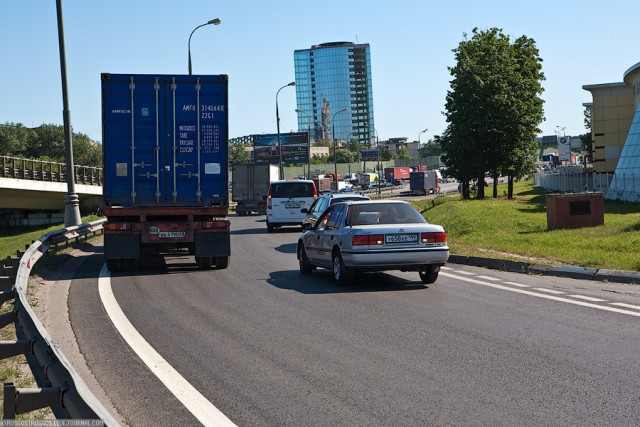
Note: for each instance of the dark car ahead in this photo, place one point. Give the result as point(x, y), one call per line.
point(324, 201)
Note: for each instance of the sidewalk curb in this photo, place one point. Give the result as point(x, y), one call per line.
point(602, 275)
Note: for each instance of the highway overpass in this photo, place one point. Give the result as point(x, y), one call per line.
point(32, 191)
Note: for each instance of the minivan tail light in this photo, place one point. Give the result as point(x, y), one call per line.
point(367, 240)
point(434, 237)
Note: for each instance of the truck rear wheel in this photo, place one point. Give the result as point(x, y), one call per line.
point(114, 264)
point(222, 262)
point(204, 262)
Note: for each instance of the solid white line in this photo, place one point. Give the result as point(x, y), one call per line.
point(489, 278)
point(534, 294)
point(191, 398)
point(587, 298)
point(549, 291)
point(466, 273)
point(621, 304)
point(520, 285)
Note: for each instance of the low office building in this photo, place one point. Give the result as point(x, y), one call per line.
point(615, 124)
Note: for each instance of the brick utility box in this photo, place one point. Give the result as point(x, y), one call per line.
point(574, 210)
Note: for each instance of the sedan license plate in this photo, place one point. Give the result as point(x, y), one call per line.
point(401, 238)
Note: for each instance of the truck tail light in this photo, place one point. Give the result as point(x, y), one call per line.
point(434, 237)
point(215, 225)
point(367, 240)
point(116, 227)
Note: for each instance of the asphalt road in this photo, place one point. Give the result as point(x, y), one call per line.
point(268, 346)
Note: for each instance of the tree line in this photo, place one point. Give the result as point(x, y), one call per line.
point(46, 142)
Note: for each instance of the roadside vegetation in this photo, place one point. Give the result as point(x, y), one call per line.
point(15, 369)
point(516, 229)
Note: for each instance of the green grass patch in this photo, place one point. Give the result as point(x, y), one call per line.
point(13, 239)
point(517, 229)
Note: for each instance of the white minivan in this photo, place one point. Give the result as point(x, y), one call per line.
point(286, 199)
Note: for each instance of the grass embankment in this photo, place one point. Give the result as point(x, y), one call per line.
point(15, 369)
point(517, 229)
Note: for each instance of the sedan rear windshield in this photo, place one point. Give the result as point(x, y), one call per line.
point(292, 189)
point(384, 213)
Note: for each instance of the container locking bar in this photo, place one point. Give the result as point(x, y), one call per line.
point(132, 88)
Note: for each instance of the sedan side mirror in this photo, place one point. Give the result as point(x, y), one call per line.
point(304, 210)
point(306, 226)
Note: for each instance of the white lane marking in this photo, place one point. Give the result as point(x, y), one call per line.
point(191, 398)
point(494, 279)
point(549, 291)
point(621, 304)
point(587, 298)
point(535, 294)
point(466, 273)
point(520, 285)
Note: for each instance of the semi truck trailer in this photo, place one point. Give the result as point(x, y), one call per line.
point(250, 187)
point(165, 166)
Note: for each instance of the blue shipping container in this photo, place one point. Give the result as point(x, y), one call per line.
point(165, 140)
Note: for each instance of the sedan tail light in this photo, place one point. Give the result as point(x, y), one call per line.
point(367, 239)
point(434, 237)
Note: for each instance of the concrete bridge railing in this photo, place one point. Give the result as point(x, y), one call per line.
point(39, 170)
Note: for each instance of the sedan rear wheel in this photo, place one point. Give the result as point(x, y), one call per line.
point(341, 276)
point(303, 261)
point(430, 275)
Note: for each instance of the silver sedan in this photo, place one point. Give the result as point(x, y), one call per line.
point(362, 236)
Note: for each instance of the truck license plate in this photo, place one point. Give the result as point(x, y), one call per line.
point(172, 234)
point(401, 238)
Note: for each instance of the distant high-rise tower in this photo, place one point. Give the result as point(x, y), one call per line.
point(331, 77)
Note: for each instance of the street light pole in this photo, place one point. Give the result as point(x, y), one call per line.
point(333, 135)
point(72, 209)
point(215, 21)
point(280, 168)
point(308, 141)
point(420, 133)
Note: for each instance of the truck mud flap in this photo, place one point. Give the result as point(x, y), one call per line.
point(121, 246)
point(213, 244)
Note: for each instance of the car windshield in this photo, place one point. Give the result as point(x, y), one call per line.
point(384, 213)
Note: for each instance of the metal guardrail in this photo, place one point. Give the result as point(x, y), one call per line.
point(39, 170)
point(61, 388)
point(574, 182)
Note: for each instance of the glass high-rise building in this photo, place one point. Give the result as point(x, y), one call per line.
point(330, 78)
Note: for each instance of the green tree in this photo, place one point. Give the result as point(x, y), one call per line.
point(386, 154)
point(13, 139)
point(238, 155)
point(587, 138)
point(403, 153)
point(493, 108)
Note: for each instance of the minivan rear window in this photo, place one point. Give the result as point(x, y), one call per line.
point(292, 189)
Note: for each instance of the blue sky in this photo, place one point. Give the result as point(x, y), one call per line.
point(580, 42)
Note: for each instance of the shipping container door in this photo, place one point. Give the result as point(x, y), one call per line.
point(130, 140)
point(196, 147)
point(165, 137)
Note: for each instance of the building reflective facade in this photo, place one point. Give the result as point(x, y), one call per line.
point(331, 77)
